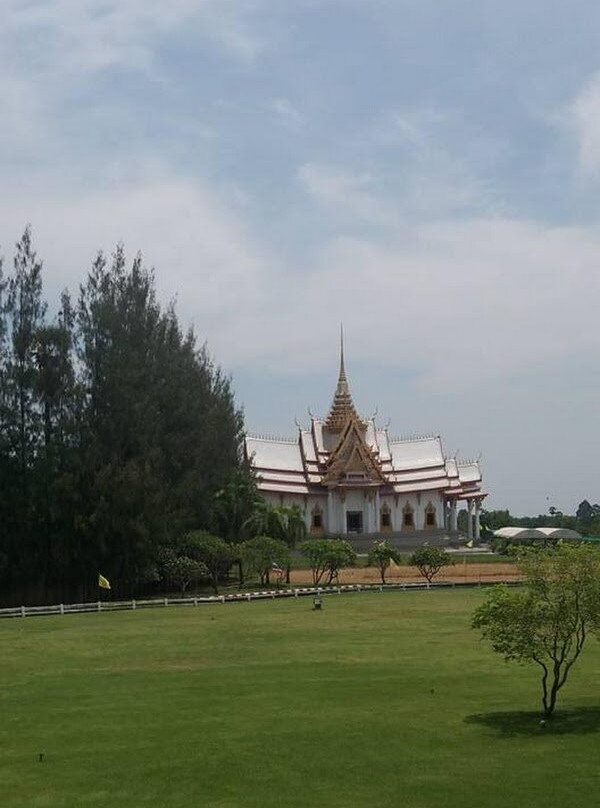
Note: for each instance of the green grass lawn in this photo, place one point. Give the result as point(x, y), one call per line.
point(380, 700)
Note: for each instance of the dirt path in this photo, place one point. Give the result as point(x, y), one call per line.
point(486, 573)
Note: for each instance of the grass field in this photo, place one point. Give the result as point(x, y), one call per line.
point(380, 700)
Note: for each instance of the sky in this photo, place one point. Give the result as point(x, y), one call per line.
point(425, 172)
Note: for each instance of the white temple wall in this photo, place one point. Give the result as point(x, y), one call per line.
point(333, 515)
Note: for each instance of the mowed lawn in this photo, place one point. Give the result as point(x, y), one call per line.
point(380, 700)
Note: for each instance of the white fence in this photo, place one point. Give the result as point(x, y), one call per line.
point(157, 603)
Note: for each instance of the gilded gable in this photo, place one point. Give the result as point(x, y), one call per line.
point(352, 460)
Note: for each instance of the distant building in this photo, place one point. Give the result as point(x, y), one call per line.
point(537, 534)
point(350, 477)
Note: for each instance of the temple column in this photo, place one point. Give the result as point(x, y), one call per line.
point(453, 516)
point(368, 512)
point(477, 520)
point(330, 517)
point(376, 520)
point(469, 519)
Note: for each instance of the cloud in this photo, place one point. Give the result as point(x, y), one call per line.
point(286, 112)
point(422, 164)
point(203, 255)
point(459, 303)
point(344, 193)
point(454, 303)
point(21, 113)
point(582, 118)
point(82, 36)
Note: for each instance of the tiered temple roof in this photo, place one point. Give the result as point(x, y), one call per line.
point(346, 451)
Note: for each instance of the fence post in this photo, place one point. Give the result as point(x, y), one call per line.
point(195, 601)
point(62, 608)
point(99, 607)
point(166, 601)
point(222, 598)
point(295, 593)
point(133, 606)
point(23, 612)
point(248, 597)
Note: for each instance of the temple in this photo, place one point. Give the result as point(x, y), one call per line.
point(349, 477)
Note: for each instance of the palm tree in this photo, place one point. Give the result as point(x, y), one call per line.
point(234, 508)
point(235, 505)
point(283, 522)
point(265, 520)
point(292, 528)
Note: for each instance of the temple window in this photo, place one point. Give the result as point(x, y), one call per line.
point(386, 518)
point(408, 517)
point(316, 524)
point(430, 518)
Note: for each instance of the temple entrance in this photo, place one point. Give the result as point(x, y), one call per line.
point(354, 522)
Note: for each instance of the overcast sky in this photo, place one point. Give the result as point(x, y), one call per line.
point(426, 172)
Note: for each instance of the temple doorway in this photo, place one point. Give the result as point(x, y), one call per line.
point(354, 522)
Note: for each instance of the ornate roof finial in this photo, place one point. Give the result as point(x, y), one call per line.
point(342, 407)
point(342, 384)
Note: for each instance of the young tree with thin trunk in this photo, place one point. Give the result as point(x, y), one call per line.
point(264, 554)
point(429, 561)
point(327, 557)
point(181, 569)
point(382, 556)
point(548, 619)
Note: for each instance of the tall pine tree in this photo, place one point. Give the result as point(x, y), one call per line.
point(116, 431)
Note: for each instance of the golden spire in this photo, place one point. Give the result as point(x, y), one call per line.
point(342, 408)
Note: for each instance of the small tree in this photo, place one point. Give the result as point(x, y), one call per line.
point(327, 557)
point(212, 551)
point(262, 554)
point(548, 619)
point(182, 570)
point(429, 561)
point(381, 555)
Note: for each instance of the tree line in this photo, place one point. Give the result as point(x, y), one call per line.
point(116, 431)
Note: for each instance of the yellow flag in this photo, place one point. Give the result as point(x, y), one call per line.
point(103, 582)
point(469, 543)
